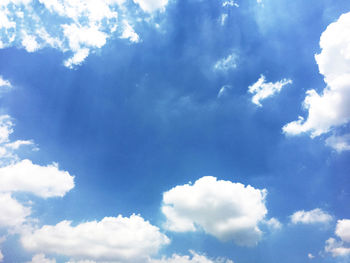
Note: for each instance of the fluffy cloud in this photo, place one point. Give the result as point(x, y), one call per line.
point(227, 63)
point(311, 217)
point(342, 247)
point(193, 258)
point(4, 83)
point(41, 258)
point(43, 181)
point(118, 239)
point(339, 143)
point(152, 5)
point(226, 210)
point(330, 108)
point(75, 27)
point(263, 90)
point(12, 213)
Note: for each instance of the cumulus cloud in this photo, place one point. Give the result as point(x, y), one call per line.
point(41, 258)
point(12, 213)
point(330, 108)
point(311, 217)
point(262, 90)
point(226, 210)
point(340, 247)
point(75, 27)
point(43, 181)
point(339, 143)
point(193, 258)
point(273, 223)
point(119, 239)
point(227, 63)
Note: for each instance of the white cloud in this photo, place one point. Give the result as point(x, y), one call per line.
point(17, 144)
point(118, 239)
point(330, 108)
point(12, 213)
point(76, 28)
point(310, 256)
point(4, 83)
point(43, 181)
point(339, 143)
point(311, 217)
point(129, 33)
point(273, 223)
point(263, 90)
point(1, 256)
point(342, 247)
point(226, 210)
point(193, 258)
point(41, 258)
point(223, 90)
point(230, 3)
point(227, 63)
point(5, 128)
point(223, 19)
point(152, 5)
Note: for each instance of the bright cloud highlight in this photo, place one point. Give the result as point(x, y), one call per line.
point(226, 210)
point(311, 217)
point(262, 90)
point(341, 247)
point(75, 27)
point(329, 109)
point(118, 239)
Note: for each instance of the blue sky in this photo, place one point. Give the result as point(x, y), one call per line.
point(171, 131)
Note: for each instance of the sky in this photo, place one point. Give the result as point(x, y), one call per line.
point(174, 131)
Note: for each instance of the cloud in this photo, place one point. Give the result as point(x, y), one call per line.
point(43, 181)
point(330, 108)
point(77, 28)
point(339, 143)
point(341, 247)
point(193, 258)
point(273, 223)
point(230, 3)
point(224, 90)
point(226, 210)
point(118, 239)
point(227, 63)
point(151, 5)
point(263, 90)
point(4, 83)
point(310, 256)
point(41, 258)
point(311, 217)
point(12, 213)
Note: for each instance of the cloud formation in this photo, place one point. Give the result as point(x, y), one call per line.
point(226, 210)
point(41, 258)
point(340, 247)
point(74, 27)
point(193, 258)
point(311, 217)
point(43, 181)
point(262, 90)
point(227, 63)
point(119, 239)
point(330, 108)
